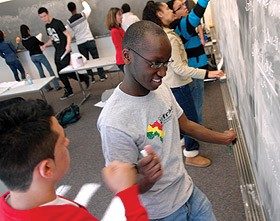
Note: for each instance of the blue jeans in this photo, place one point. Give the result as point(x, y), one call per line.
point(16, 65)
point(184, 98)
point(40, 59)
point(90, 47)
point(197, 91)
point(197, 208)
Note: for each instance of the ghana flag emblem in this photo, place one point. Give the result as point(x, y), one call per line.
point(154, 130)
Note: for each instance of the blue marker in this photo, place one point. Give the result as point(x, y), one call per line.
point(233, 142)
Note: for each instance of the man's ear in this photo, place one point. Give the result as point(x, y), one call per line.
point(46, 168)
point(126, 56)
point(159, 14)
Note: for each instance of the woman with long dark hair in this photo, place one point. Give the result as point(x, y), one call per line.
point(32, 44)
point(8, 52)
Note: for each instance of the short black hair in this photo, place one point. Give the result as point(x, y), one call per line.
point(26, 139)
point(150, 12)
point(125, 8)
point(42, 10)
point(1, 36)
point(134, 37)
point(24, 31)
point(71, 6)
point(170, 4)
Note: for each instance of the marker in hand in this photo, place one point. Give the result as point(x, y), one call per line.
point(233, 142)
point(144, 153)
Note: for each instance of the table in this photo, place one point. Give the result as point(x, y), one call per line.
point(37, 85)
point(90, 64)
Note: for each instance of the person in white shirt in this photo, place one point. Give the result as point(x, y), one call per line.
point(78, 24)
point(128, 17)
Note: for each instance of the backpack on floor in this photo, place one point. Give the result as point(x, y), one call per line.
point(69, 115)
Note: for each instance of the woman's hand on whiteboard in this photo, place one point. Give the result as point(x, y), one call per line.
point(231, 136)
point(216, 74)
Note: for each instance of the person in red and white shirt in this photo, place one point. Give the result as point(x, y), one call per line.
point(34, 157)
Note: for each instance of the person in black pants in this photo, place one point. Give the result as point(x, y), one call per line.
point(86, 44)
point(61, 40)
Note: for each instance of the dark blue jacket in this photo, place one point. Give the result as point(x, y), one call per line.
point(8, 51)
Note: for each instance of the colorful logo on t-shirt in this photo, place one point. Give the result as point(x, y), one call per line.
point(155, 130)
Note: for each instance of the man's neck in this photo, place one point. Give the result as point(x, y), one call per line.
point(30, 198)
point(50, 20)
point(132, 89)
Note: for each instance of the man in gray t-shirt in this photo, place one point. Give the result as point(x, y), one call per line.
point(143, 111)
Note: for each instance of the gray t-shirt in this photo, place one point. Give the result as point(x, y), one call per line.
point(128, 123)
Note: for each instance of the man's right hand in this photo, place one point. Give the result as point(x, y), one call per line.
point(150, 170)
point(119, 176)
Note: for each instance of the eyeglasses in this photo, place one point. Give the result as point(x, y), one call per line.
point(180, 6)
point(154, 65)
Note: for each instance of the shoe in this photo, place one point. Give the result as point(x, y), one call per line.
point(92, 80)
point(104, 78)
point(66, 95)
point(198, 161)
point(50, 89)
point(182, 141)
point(58, 89)
point(88, 85)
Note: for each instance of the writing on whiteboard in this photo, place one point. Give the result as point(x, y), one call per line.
point(249, 6)
point(271, 40)
point(265, 67)
point(273, 6)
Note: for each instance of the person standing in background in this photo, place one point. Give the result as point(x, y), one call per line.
point(32, 44)
point(61, 40)
point(85, 41)
point(128, 17)
point(114, 24)
point(8, 52)
point(194, 46)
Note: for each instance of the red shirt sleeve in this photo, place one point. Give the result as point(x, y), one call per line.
point(134, 211)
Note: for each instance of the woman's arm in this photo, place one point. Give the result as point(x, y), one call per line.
point(180, 63)
point(189, 23)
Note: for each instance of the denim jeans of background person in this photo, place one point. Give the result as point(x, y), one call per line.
point(15, 66)
point(197, 91)
point(40, 59)
point(184, 98)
